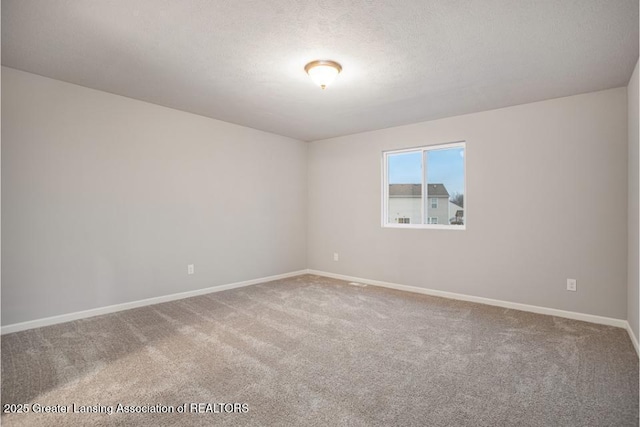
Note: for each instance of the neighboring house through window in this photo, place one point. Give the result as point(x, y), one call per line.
point(425, 187)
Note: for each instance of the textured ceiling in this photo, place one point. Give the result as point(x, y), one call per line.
point(242, 61)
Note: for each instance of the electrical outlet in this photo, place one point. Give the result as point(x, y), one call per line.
point(336, 257)
point(190, 269)
point(572, 285)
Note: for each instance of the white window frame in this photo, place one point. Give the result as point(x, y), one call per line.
point(430, 220)
point(385, 187)
point(434, 200)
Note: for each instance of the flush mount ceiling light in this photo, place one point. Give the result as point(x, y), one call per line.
point(322, 71)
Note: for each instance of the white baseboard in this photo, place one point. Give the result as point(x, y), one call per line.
point(620, 323)
point(38, 323)
point(16, 327)
point(634, 340)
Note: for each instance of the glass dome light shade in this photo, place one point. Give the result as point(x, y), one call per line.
point(323, 72)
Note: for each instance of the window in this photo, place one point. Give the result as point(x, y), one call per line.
point(424, 187)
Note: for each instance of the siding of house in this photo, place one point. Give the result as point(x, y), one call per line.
point(405, 201)
point(405, 207)
point(410, 207)
point(441, 212)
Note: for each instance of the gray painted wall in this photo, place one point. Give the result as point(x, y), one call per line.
point(106, 200)
point(558, 155)
point(634, 190)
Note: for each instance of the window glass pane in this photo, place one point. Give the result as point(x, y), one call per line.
point(405, 188)
point(445, 186)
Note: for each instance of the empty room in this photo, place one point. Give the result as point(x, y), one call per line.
point(320, 213)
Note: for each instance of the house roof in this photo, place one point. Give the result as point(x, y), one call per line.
point(415, 190)
point(437, 190)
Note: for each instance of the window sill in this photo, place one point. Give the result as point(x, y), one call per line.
point(427, 226)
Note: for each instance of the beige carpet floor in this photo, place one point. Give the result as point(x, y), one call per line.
point(315, 351)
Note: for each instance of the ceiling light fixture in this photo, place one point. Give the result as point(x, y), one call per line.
point(323, 72)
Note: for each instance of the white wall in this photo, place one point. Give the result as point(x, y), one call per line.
point(559, 155)
point(633, 197)
point(106, 200)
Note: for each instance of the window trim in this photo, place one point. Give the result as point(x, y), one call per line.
point(385, 186)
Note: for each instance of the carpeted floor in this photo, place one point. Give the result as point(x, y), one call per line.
point(315, 351)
